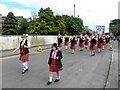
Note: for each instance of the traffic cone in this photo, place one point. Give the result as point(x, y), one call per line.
point(39, 48)
point(110, 47)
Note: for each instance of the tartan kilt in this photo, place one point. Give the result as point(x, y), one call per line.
point(86, 42)
point(66, 43)
point(24, 58)
point(99, 45)
point(73, 46)
point(93, 47)
point(53, 66)
point(81, 44)
point(60, 45)
point(104, 43)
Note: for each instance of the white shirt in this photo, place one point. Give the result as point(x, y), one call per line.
point(28, 43)
point(54, 54)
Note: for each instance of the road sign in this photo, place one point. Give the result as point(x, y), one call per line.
point(100, 29)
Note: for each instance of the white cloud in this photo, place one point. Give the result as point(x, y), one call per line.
point(17, 12)
point(93, 12)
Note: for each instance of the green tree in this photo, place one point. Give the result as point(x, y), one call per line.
point(115, 27)
point(47, 23)
point(34, 28)
point(74, 25)
point(23, 25)
point(10, 25)
point(45, 15)
point(60, 24)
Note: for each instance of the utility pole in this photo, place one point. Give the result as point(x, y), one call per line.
point(74, 10)
point(119, 10)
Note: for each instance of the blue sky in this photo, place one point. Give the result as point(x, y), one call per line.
point(93, 12)
point(17, 5)
point(14, 4)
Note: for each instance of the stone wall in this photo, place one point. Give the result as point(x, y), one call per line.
point(11, 42)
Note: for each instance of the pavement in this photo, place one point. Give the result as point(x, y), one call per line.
point(119, 63)
point(80, 70)
point(113, 74)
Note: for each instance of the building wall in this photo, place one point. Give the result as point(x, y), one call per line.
point(11, 42)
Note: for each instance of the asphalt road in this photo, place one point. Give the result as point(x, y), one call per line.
point(81, 70)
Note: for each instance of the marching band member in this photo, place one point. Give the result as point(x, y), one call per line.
point(24, 52)
point(66, 42)
point(100, 42)
point(55, 64)
point(59, 41)
point(81, 42)
point(107, 38)
point(86, 41)
point(73, 44)
point(104, 42)
point(93, 46)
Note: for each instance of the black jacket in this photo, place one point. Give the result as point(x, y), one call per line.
point(100, 40)
point(93, 41)
point(66, 39)
point(60, 40)
point(25, 49)
point(73, 41)
point(59, 54)
point(81, 40)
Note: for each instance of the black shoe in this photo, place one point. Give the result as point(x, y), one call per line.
point(72, 53)
point(48, 83)
point(81, 50)
point(27, 69)
point(57, 80)
point(23, 72)
point(93, 55)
